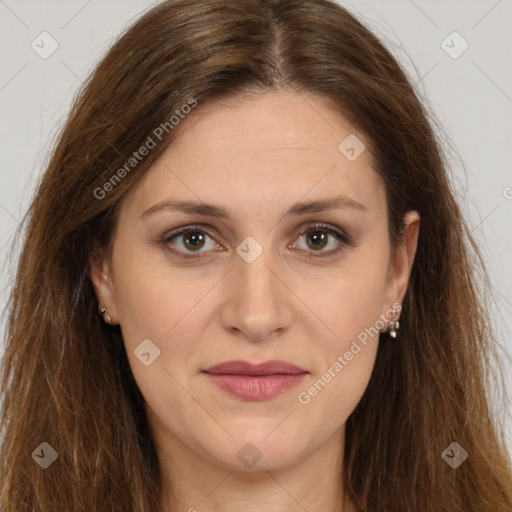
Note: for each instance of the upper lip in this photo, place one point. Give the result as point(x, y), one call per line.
point(240, 367)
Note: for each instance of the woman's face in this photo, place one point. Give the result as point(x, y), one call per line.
point(291, 263)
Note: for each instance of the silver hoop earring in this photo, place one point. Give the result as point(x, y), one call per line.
point(103, 313)
point(393, 328)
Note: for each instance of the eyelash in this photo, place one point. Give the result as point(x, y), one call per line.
point(343, 238)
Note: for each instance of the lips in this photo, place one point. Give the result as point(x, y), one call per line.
point(250, 381)
point(240, 367)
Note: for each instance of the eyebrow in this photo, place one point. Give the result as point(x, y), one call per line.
point(219, 212)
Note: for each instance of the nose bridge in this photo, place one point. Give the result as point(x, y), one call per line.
point(256, 304)
point(255, 282)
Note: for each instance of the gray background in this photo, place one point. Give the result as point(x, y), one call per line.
point(470, 95)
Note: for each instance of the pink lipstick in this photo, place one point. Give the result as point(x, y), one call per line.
point(251, 381)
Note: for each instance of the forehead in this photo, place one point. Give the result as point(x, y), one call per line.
point(271, 125)
point(268, 148)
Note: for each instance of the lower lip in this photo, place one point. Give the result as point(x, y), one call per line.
point(256, 387)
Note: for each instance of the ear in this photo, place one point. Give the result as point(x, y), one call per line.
point(100, 276)
point(401, 264)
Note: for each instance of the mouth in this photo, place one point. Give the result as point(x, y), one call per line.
point(250, 381)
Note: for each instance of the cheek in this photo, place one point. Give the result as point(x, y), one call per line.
point(349, 301)
point(169, 306)
point(349, 298)
point(348, 350)
point(159, 303)
point(151, 296)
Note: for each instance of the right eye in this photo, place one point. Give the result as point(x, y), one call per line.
point(190, 241)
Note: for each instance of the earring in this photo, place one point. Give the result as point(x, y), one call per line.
point(393, 328)
point(104, 312)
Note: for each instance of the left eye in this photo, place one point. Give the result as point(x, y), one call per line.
point(192, 239)
point(317, 239)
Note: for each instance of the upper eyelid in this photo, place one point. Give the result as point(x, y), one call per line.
point(185, 229)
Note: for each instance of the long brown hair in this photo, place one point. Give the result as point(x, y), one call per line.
point(65, 376)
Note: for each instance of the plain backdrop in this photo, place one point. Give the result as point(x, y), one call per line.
point(457, 52)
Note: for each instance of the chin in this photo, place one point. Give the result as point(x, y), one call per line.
point(262, 449)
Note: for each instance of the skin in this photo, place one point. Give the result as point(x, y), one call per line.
point(255, 156)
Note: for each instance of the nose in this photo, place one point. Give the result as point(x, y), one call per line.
point(257, 302)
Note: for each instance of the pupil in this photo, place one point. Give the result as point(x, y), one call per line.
point(194, 237)
point(318, 238)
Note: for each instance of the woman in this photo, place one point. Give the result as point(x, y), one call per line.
point(325, 349)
